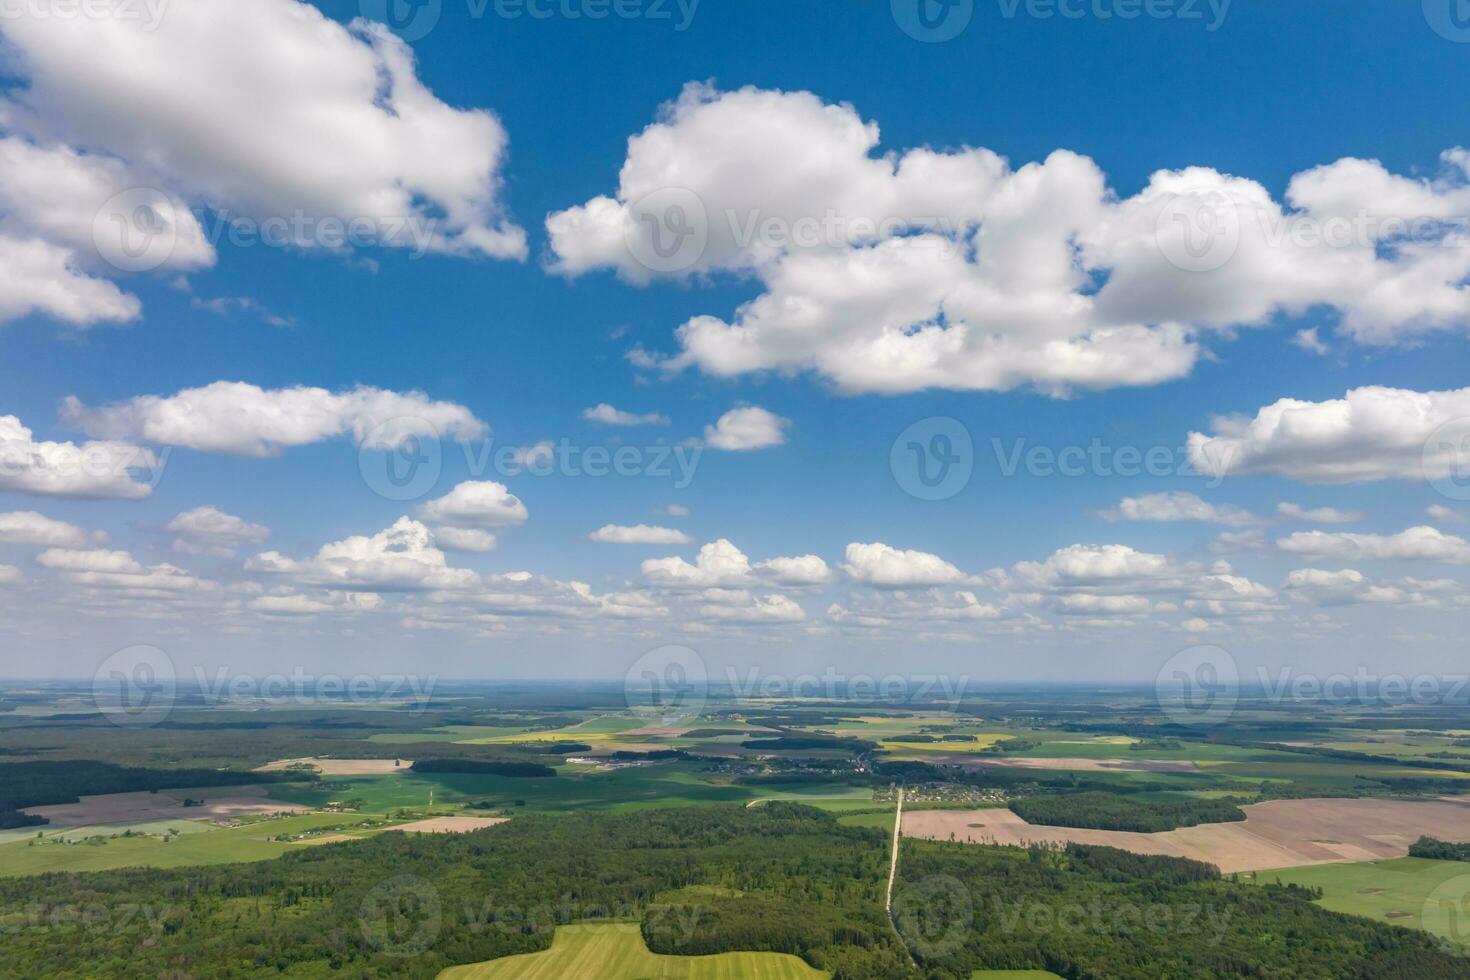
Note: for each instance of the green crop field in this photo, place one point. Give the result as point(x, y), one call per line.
point(1413, 892)
point(616, 951)
point(200, 847)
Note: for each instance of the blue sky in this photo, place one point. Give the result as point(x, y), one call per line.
point(1275, 90)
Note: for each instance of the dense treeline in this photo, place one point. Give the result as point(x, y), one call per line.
point(1114, 811)
point(1096, 912)
point(27, 784)
point(516, 769)
point(407, 905)
point(1440, 850)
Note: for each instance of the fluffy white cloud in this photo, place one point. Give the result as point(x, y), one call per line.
point(904, 271)
point(246, 420)
point(638, 534)
point(64, 469)
point(476, 503)
point(45, 278)
point(1318, 515)
point(102, 569)
point(28, 527)
point(1371, 433)
point(1445, 514)
point(274, 112)
point(878, 565)
point(291, 604)
point(718, 563)
point(1089, 565)
point(52, 199)
point(750, 427)
point(401, 558)
point(1349, 586)
point(521, 596)
point(757, 611)
point(9, 575)
point(907, 609)
point(468, 539)
point(605, 414)
point(208, 530)
point(296, 604)
point(675, 510)
point(1414, 544)
point(1179, 506)
point(796, 571)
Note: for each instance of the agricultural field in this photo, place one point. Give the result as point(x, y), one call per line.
point(1322, 799)
point(616, 951)
point(172, 845)
point(1413, 892)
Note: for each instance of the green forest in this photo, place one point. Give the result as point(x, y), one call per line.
point(781, 877)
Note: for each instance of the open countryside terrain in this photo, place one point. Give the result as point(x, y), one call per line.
point(616, 951)
point(1276, 834)
point(287, 785)
point(1413, 892)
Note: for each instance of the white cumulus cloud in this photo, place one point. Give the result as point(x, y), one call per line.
point(605, 414)
point(1179, 506)
point(246, 420)
point(29, 527)
point(107, 468)
point(903, 270)
point(1422, 543)
point(638, 534)
point(881, 566)
point(742, 429)
point(476, 503)
point(1371, 433)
